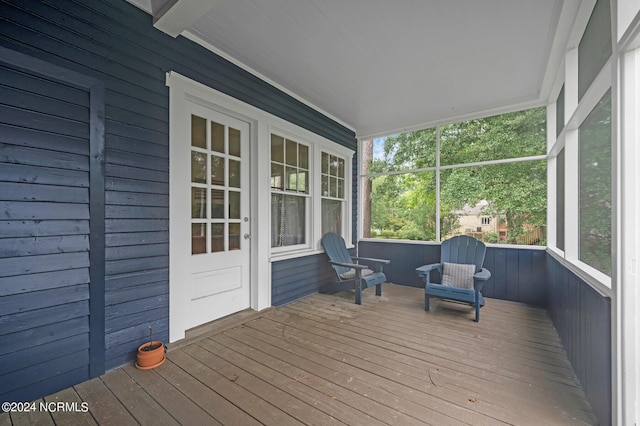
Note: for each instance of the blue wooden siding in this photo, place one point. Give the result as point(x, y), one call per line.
point(115, 43)
point(583, 319)
point(45, 243)
point(295, 278)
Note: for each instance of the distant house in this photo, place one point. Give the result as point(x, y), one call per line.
point(474, 221)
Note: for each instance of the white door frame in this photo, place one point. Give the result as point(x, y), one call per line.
point(181, 91)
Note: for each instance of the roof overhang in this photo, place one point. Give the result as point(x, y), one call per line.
point(383, 67)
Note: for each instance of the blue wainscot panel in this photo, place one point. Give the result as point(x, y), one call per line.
point(517, 274)
point(582, 317)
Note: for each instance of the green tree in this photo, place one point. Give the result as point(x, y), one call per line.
point(514, 190)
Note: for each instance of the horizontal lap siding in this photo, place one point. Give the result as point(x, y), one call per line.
point(114, 42)
point(517, 275)
point(44, 235)
point(582, 318)
point(295, 278)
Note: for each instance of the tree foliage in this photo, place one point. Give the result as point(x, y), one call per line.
point(404, 205)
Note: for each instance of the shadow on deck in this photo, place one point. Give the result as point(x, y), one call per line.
point(325, 360)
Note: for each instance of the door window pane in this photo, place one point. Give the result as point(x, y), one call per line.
point(234, 236)
point(198, 203)
point(234, 205)
point(217, 204)
point(595, 187)
point(217, 137)
point(198, 238)
point(217, 237)
point(198, 132)
point(234, 142)
point(234, 173)
point(198, 167)
point(217, 170)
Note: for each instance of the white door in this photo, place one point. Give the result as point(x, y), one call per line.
point(210, 228)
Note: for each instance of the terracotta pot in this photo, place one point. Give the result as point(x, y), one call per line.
point(150, 355)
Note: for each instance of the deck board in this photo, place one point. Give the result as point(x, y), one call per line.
point(325, 360)
point(184, 410)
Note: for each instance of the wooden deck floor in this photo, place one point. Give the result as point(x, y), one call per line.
point(325, 360)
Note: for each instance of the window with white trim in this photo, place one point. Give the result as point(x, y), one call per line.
point(332, 193)
point(289, 192)
point(310, 189)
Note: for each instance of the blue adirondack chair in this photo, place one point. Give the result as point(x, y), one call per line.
point(354, 273)
point(461, 251)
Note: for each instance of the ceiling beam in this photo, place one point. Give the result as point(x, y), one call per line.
point(174, 16)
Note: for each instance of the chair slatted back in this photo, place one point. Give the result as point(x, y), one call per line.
point(335, 247)
point(463, 249)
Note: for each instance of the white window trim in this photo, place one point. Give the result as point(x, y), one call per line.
point(317, 144)
point(346, 212)
point(275, 251)
point(575, 112)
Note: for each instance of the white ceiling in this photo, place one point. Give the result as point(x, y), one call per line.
point(382, 66)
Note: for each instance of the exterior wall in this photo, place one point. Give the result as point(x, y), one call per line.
point(115, 43)
point(517, 274)
point(471, 223)
point(50, 175)
point(295, 278)
point(582, 318)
